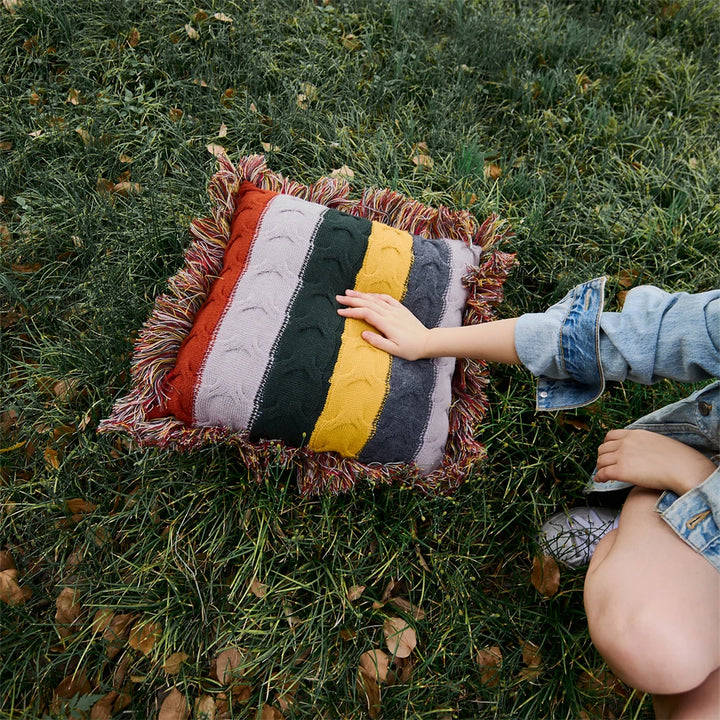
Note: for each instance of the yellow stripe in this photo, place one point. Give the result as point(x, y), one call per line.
point(360, 379)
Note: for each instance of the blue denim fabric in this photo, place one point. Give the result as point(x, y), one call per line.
point(575, 347)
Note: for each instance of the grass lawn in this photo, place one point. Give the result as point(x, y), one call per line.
point(140, 577)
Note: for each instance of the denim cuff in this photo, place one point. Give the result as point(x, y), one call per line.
point(562, 348)
point(693, 516)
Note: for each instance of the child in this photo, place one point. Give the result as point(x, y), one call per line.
point(652, 591)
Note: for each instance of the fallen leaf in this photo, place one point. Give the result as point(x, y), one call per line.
point(225, 664)
point(104, 185)
point(7, 561)
point(67, 611)
point(84, 134)
point(375, 663)
point(144, 636)
point(6, 146)
point(400, 638)
point(343, 172)
point(626, 278)
point(25, 267)
point(52, 458)
point(355, 592)
point(492, 171)
point(489, 660)
point(369, 688)
point(12, 5)
point(102, 619)
point(421, 157)
point(271, 713)
point(172, 663)
point(10, 591)
point(216, 150)
point(257, 588)
point(200, 82)
point(222, 17)
point(205, 708)
point(545, 575)
point(69, 687)
point(267, 147)
point(533, 659)
point(223, 131)
point(73, 97)
point(192, 33)
point(351, 42)
point(175, 114)
point(125, 159)
point(174, 706)
point(116, 632)
point(227, 97)
point(309, 90)
point(127, 188)
point(103, 708)
point(134, 38)
point(406, 606)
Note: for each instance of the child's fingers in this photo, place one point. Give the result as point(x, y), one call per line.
point(379, 341)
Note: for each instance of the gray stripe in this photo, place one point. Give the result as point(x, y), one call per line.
point(242, 349)
point(430, 454)
point(402, 423)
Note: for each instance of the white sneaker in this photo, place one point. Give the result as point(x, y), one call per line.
point(572, 536)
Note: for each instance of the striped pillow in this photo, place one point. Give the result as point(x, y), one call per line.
point(246, 346)
point(269, 354)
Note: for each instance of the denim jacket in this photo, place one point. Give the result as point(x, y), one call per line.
point(574, 348)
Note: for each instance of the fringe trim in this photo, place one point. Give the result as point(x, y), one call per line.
point(174, 313)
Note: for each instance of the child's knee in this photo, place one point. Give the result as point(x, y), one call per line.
point(645, 647)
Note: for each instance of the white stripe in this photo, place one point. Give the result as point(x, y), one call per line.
point(234, 368)
point(432, 448)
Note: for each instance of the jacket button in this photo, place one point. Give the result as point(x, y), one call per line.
point(705, 408)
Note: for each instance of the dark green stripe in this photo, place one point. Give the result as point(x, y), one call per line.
point(296, 384)
point(400, 428)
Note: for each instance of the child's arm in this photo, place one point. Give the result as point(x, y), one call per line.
point(402, 334)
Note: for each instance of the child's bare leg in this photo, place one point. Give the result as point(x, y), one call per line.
point(652, 603)
point(701, 703)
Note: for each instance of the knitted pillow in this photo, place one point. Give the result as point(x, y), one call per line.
point(248, 346)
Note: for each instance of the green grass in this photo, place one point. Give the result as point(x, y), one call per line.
point(603, 116)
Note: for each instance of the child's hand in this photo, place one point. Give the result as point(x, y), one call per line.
point(402, 334)
point(651, 460)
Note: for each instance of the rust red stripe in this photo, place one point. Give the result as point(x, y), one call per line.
point(182, 380)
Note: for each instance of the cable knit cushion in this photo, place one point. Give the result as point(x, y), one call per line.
point(265, 362)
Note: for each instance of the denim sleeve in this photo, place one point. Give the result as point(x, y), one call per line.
point(575, 347)
point(695, 517)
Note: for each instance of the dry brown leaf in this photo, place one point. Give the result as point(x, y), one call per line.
point(52, 458)
point(369, 688)
point(127, 188)
point(104, 185)
point(267, 147)
point(134, 38)
point(225, 664)
point(216, 150)
point(257, 588)
point(344, 172)
point(144, 636)
point(489, 660)
point(116, 632)
point(271, 713)
point(125, 158)
point(174, 706)
point(406, 606)
point(73, 97)
point(6, 146)
point(200, 82)
point(67, 611)
point(12, 5)
point(545, 575)
point(492, 171)
point(10, 591)
point(375, 663)
point(531, 654)
point(347, 634)
point(25, 268)
point(351, 42)
point(205, 708)
point(175, 114)
point(192, 33)
point(400, 638)
point(626, 278)
point(355, 592)
point(222, 17)
point(172, 663)
point(78, 506)
point(102, 619)
point(84, 134)
point(223, 131)
point(421, 157)
point(7, 562)
point(68, 687)
point(103, 708)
